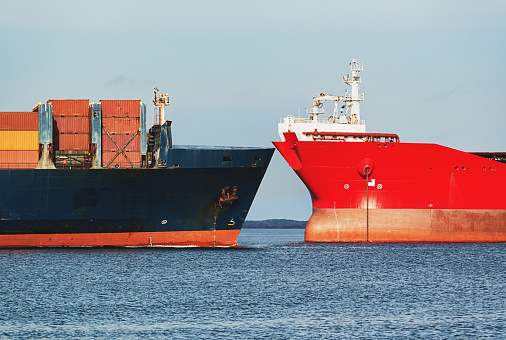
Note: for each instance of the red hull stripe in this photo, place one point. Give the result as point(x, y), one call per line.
point(208, 238)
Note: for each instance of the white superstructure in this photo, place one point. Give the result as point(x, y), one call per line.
point(345, 119)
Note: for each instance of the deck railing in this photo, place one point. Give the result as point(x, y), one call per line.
point(319, 120)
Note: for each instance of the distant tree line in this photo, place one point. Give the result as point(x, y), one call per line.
point(275, 224)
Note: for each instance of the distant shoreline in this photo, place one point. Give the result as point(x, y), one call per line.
point(275, 224)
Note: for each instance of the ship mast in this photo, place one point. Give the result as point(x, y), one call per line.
point(160, 103)
point(353, 101)
point(160, 127)
point(337, 126)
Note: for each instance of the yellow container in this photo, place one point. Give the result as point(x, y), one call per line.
point(19, 140)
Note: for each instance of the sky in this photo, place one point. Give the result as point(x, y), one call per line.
point(434, 71)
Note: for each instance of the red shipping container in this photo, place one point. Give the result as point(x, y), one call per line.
point(121, 140)
point(19, 159)
point(72, 141)
point(121, 125)
point(121, 161)
point(121, 108)
point(71, 124)
point(19, 121)
point(70, 107)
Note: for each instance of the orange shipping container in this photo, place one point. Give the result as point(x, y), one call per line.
point(121, 140)
point(71, 124)
point(19, 140)
point(70, 107)
point(19, 159)
point(121, 108)
point(121, 125)
point(121, 161)
point(72, 141)
point(18, 121)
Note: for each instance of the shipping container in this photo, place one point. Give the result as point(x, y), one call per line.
point(120, 161)
point(121, 140)
point(71, 124)
point(72, 141)
point(19, 159)
point(70, 107)
point(121, 125)
point(121, 108)
point(19, 140)
point(19, 121)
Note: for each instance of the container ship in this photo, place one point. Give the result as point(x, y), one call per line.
point(81, 174)
point(370, 187)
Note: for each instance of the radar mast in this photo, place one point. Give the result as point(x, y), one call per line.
point(160, 101)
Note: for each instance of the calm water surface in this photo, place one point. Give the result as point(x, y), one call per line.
point(277, 286)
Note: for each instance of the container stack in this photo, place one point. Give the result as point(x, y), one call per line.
point(72, 124)
point(19, 140)
point(121, 137)
point(71, 132)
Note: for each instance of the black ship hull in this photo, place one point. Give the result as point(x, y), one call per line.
point(202, 199)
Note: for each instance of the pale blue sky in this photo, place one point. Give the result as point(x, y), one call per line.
point(434, 71)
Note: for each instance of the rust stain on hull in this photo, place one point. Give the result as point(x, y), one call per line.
point(406, 225)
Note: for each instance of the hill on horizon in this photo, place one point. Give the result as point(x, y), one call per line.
point(275, 224)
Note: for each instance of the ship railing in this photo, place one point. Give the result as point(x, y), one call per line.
point(123, 165)
point(7, 166)
point(495, 156)
point(292, 119)
point(315, 110)
point(114, 165)
point(354, 136)
point(76, 165)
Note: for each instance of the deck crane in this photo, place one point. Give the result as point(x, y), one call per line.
point(318, 101)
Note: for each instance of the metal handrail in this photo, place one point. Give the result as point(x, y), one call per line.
point(9, 166)
point(319, 120)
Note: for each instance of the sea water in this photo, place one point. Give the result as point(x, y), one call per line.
point(275, 286)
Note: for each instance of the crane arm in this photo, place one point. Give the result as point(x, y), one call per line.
point(322, 97)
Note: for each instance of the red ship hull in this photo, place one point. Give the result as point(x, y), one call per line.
point(410, 193)
point(205, 238)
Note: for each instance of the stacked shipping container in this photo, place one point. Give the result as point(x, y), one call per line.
point(120, 127)
point(121, 138)
point(19, 140)
point(71, 124)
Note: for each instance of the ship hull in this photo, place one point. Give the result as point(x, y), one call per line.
point(406, 225)
point(202, 238)
point(412, 192)
point(195, 206)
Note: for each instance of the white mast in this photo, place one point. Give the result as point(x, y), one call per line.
point(354, 81)
point(160, 102)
